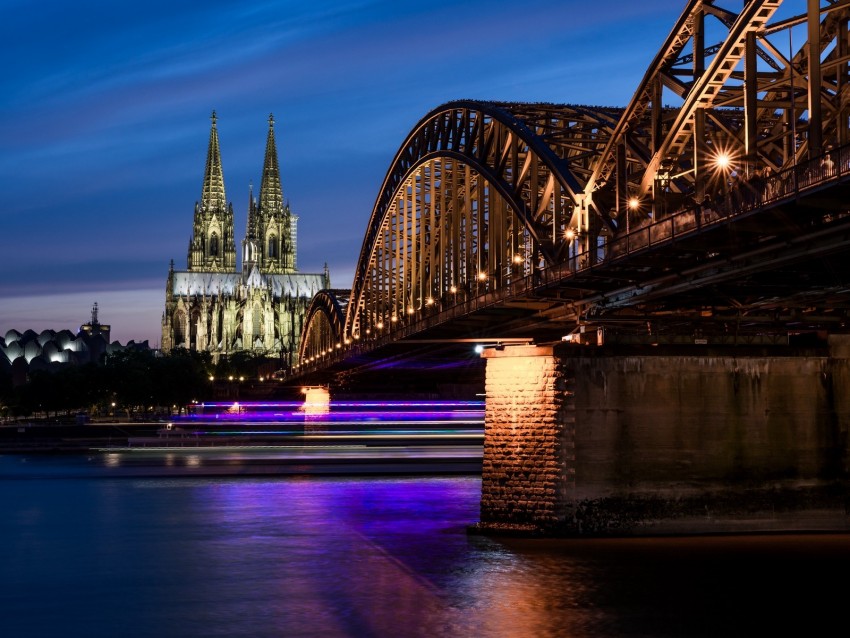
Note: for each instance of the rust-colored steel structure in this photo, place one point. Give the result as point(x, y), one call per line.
point(489, 204)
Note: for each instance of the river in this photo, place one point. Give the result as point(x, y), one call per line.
point(260, 521)
point(98, 554)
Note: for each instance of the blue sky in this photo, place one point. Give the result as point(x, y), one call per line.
point(104, 122)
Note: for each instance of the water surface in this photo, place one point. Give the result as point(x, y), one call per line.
point(99, 555)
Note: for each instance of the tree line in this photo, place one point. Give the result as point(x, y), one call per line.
point(131, 382)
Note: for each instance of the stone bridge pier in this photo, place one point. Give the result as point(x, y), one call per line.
point(623, 440)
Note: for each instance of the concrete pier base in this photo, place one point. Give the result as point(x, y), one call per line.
point(684, 439)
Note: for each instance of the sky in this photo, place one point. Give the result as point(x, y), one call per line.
point(105, 106)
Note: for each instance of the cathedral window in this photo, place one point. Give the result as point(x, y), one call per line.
point(214, 245)
point(257, 323)
point(179, 325)
point(272, 247)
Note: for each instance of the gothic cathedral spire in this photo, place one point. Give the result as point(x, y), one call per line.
point(271, 195)
point(249, 244)
point(275, 224)
point(212, 196)
point(212, 247)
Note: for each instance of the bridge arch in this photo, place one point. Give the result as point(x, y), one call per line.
point(323, 325)
point(480, 194)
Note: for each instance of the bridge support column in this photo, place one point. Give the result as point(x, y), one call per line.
point(528, 439)
point(666, 439)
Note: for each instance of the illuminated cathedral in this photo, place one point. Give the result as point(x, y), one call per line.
point(211, 306)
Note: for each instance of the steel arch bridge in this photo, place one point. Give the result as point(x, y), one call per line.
point(324, 319)
point(484, 203)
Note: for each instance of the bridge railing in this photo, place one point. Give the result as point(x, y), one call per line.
point(737, 198)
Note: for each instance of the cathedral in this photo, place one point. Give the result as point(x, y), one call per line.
point(214, 307)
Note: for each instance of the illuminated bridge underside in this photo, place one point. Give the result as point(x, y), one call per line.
point(714, 200)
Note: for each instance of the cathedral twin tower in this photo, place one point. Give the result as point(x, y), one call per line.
point(213, 307)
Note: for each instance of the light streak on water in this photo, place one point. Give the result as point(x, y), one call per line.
point(352, 437)
point(360, 416)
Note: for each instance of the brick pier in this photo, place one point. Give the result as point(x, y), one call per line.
point(693, 439)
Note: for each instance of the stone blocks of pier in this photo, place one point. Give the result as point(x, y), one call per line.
point(601, 440)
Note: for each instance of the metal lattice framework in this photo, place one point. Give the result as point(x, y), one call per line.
point(483, 195)
point(478, 196)
point(749, 100)
point(323, 324)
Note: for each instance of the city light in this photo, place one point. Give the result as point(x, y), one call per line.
point(722, 161)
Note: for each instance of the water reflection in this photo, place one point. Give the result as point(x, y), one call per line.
point(313, 556)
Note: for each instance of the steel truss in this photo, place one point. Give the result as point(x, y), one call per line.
point(323, 325)
point(481, 195)
point(748, 101)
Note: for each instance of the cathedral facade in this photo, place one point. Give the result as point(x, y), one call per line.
point(215, 307)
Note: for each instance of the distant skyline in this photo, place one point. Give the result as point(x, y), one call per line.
point(104, 123)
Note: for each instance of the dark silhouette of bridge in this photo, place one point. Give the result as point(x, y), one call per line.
point(712, 209)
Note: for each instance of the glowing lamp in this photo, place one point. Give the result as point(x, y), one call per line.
point(634, 203)
point(571, 234)
point(453, 289)
point(479, 349)
point(482, 276)
point(517, 259)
